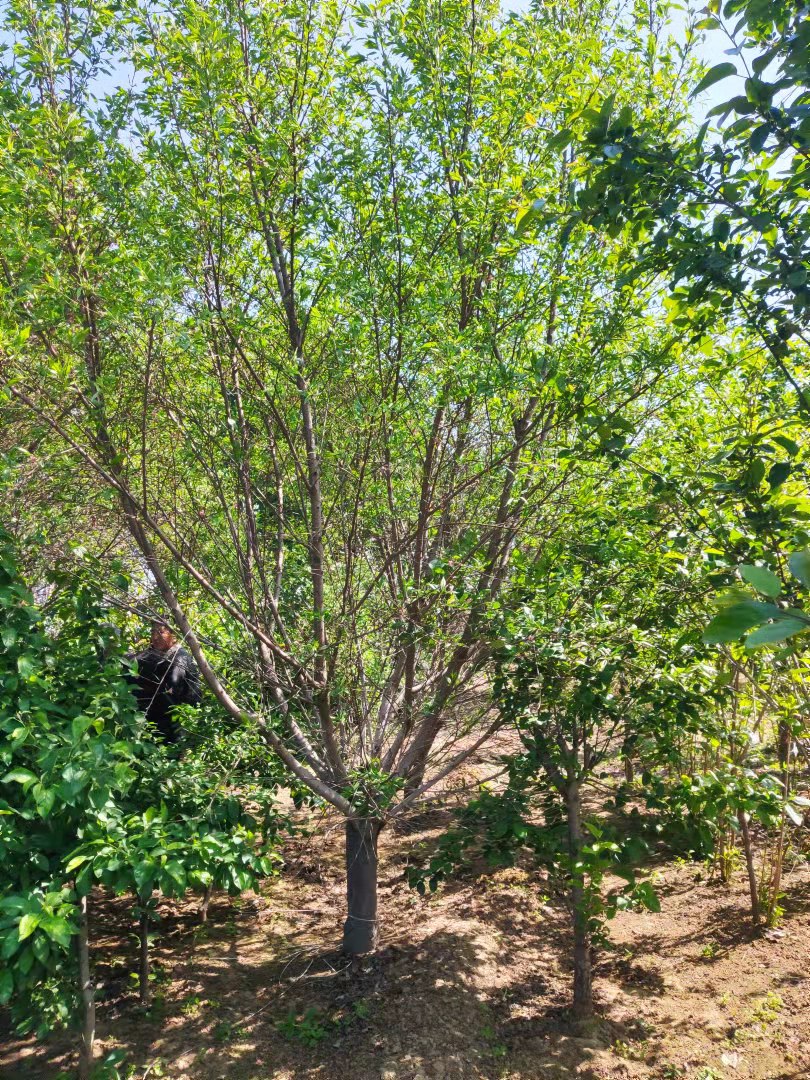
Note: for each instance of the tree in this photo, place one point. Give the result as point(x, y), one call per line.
point(726, 218)
point(573, 661)
point(271, 301)
point(87, 797)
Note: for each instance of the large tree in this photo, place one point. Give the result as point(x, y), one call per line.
point(268, 298)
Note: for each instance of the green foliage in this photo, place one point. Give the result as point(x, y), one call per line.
point(500, 830)
point(308, 1028)
point(727, 222)
point(563, 679)
point(775, 623)
point(417, 355)
point(371, 790)
point(88, 797)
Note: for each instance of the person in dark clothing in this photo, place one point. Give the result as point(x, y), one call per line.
point(167, 676)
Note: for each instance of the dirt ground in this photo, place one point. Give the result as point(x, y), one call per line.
point(471, 982)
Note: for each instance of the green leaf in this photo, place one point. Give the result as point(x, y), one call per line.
point(732, 621)
point(6, 985)
point(758, 138)
point(58, 930)
point(79, 727)
point(561, 139)
point(41, 948)
point(28, 924)
point(775, 631)
point(10, 945)
point(144, 874)
point(527, 215)
point(26, 665)
point(714, 75)
point(18, 776)
point(8, 635)
point(778, 474)
point(649, 897)
point(177, 873)
point(45, 798)
point(787, 444)
point(763, 580)
point(800, 566)
point(77, 860)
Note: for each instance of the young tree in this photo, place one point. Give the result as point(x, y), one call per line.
point(88, 797)
point(573, 659)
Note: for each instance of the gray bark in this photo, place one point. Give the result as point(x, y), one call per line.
point(87, 995)
point(206, 900)
point(361, 927)
point(749, 865)
point(583, 976)
point(143, 961)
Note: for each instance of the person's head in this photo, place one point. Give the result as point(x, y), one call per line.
point(162, 638)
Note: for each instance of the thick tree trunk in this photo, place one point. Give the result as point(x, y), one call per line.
point(583, 981)
point(360, 928)
point(87, 995)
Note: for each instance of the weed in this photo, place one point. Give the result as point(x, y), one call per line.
point(191, 1006)
point(157, 1009)
point(711, 950)
point(632, 1051)
point(361, 1009)
point(768, 1009)
point(225, 1031)
point(308, 1028)
point(194, 1005)
point(490, 1036)
point(668, 1071)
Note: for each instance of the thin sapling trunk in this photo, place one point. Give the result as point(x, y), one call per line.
point(745, 832)
point(87, 994)
point(144, 991)
point(583, 976)
point(206, 900)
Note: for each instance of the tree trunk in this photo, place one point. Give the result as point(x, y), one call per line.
point(206, 900)
point(627, 755)
point(87, 998)
point(745, 832)
point(143, 965)
point(776, 875)
point(583, 981)
point(360, 928)
point(629, 771)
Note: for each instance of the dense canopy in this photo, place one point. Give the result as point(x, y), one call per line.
point(438, 374)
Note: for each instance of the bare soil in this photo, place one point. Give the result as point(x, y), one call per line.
point(471, 983)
